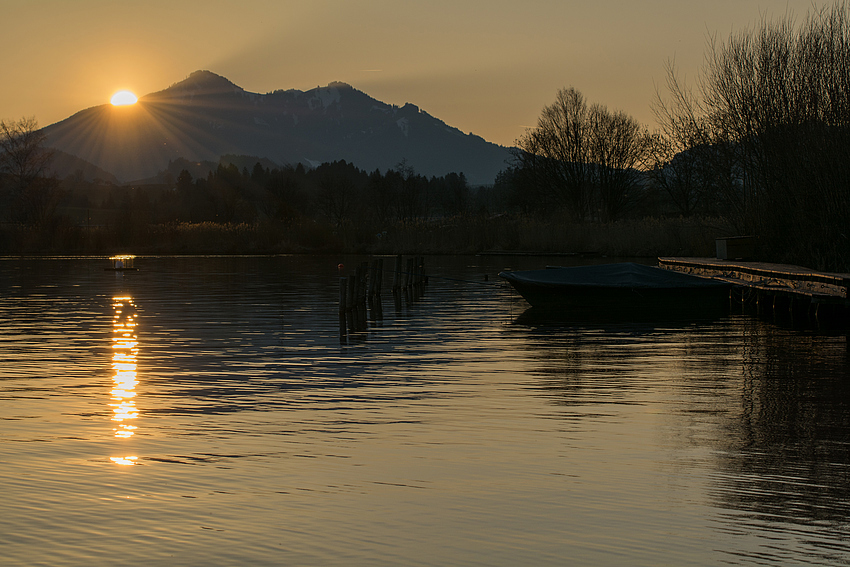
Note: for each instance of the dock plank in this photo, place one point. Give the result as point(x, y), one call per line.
point(771, 278)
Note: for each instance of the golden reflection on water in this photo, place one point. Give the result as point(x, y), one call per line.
point(124, 352)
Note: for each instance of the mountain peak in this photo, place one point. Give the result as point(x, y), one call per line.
point(204, 77)
point(339, 85)
point(201, 82)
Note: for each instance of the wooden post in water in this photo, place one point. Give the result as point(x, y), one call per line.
point(354, 323)
point(352, 285)
point(365, 300)
point(377, 305)
point(414, 272)
point(373, 272)
point(343, 300)
point(397, 274)
point(420, 273)
point(409, 289)
point(411, 269)
point(379, 277)
point(358, 293)
point(343, 295)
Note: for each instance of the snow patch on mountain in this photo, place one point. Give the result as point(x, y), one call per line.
point(403, 125)
point(325, 97)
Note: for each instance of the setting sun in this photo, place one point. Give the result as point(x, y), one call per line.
point(123, 98)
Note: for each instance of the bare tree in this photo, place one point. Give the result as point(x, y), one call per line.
point(619, 147)
point(30, 196)
point(555, 154)
point(583, 158)
point(681, 154)
point(771, 114)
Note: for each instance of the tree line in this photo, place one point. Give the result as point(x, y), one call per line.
point(338, 192)
point(760, 144)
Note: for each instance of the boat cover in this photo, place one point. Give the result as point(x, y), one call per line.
point(627, 275)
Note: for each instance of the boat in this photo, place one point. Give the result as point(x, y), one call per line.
point(123, 263)
point(624, 286)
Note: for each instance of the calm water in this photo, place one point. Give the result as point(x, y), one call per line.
point(204, 411)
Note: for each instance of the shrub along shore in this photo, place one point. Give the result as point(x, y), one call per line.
point(469, 235)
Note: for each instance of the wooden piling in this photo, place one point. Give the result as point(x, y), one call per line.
point(343, 294)
point(408, 274)
point(373, 273)
point(358, 279)
point(352, 285)
point(397, 274)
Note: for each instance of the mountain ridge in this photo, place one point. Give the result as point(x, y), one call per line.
point(206, 116)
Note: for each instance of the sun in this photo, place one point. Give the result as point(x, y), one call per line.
point(123, 98)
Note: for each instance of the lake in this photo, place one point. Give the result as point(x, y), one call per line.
point(207, 411)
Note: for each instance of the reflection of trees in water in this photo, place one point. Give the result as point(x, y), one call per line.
point(776, 403)
point(607, 363)
point(788, 456)
point(575, 367)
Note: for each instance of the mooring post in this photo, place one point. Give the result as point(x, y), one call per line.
point(373, 271)
point(414, 272)
point(343, 305)
point(405, 274)
point(343, 295)
point(360, 293)
point(411, 265)
point(352, 285)
point(397, 274)
point(379, 277)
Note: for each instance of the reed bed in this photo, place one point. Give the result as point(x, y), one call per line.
point(462, 235)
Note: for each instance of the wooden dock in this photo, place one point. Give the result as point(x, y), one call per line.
point(780, 284)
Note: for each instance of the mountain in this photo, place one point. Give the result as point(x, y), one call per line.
point(206, 116)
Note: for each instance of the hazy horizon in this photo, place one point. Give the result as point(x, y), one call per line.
point(485, 71)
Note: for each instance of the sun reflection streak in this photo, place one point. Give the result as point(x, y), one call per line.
point(125, 349)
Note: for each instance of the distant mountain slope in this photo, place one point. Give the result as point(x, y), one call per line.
point(206, 116)
point(64, 164)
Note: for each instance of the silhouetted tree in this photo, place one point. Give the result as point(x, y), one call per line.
point(452, 193)
point(184, 181)
point(380, 198)
point(338, 191)
point(30, 196)
point(259, 175)
point(581, 157)
point(555, 154)
point(411, 201)
point(619, 146)
point(771, 116)
point(283, 197)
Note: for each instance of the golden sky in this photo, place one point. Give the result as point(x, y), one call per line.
point(486, 67)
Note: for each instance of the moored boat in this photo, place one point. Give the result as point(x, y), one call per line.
point(623, 286)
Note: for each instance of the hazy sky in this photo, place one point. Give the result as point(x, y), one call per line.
point(486, 67)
